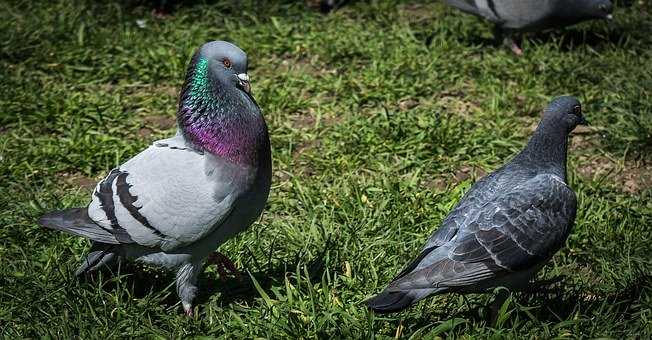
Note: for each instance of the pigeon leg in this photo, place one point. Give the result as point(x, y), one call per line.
point(224, 265)
point(506, 38)
point(330, 5)
point(160, 11)
point(187, 285)
point(494, 308)
point(514, 46)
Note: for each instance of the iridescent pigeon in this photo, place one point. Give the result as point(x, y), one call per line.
point(515, 16)
point(174, 203)
point(505, 228)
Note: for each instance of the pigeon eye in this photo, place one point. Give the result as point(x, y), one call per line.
point(226, 62)
point(577, 110)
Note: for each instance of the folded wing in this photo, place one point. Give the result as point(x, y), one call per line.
point(167, 196)
point(512, 232)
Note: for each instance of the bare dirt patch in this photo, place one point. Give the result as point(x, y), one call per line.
point(437, 183)
point(303, 165)
point(629, 176)
point(467, 172)
point(455, 102)
point(303, 120)
point(407, 104)
point(417, 12)
point(154, 123)
point(462, 174)
point(281, 176)
point(168, 90)
point(585, 137)
point(78, 180)
point(290, 63)
point(307, 119)
point(160, 122)
point(304, 147)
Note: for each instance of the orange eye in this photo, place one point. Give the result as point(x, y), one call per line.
point(577, 110)
point(226, 62)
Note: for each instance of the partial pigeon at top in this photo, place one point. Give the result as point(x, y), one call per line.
point(330, 5)
point(505, 228)
point(175, 202)
point(511, 16)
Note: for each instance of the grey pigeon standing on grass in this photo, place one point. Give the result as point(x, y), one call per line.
point(174, 203)
point(516, 16)
point(505, 228)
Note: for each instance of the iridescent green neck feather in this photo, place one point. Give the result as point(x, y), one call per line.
point(218, 118)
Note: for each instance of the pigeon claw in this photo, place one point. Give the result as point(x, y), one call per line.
point(189, 312)
point(516, 49)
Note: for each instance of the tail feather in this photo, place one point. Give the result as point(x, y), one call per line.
point(390, 302)
point(396, 301)
point(76, 221)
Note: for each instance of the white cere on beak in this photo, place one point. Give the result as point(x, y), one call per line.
point(244, 77)
point(610, 17)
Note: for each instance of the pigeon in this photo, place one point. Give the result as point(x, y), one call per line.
point(174, 203)
point(326, 6)
point(514, 16)
point(505, 228)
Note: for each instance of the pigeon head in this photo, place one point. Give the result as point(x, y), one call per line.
point(226, 64)
point(548, 145)
point(217, 112)
point(563, 113)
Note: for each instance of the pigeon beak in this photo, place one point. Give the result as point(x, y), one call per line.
point(243, 82)
point(583, 121)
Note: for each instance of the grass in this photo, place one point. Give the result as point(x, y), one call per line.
point(381, 115)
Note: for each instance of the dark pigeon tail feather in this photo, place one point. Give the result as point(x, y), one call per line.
point(76, 221)
point(390, 302)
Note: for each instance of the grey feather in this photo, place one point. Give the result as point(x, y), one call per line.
point(504, 228)
point(175, 202)
point(76, 221)
point(517, 16)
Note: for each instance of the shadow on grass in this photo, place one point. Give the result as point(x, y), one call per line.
point(142, 280)
point(163, 8)
point(242, 288)
point(557, 303)
point(560, 304)
point(569, 38)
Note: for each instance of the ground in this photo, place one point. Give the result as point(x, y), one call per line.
point(381, 115)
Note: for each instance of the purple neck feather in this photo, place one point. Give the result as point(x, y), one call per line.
point(225, 123)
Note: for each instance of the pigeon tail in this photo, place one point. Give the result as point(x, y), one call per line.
point(396, 301)
point(76, 221)
point(390, 302)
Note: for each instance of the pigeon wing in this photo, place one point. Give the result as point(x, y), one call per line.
point(480, 192)
point(487, 9)
point(515, 231)
point(167, 196)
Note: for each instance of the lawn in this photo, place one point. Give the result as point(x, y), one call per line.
point(381, 116)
